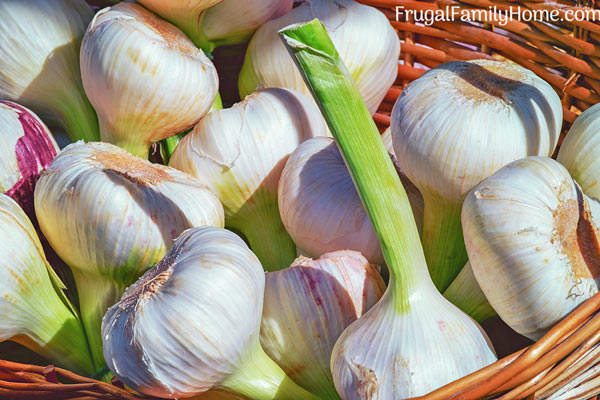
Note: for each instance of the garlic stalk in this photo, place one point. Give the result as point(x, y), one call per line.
point(213, 23)
point(39, 62)
point(35, 312)
point(386, 354)
point(457, 125)
point(110, 216)
point(579, 151)
point(532, 243)
point(306, 308)
point(144, 77)
point(239, 154)
point(319, 205)
point(367, 43)
point(191, 324)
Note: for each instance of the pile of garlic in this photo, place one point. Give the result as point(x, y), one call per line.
point(280, 247)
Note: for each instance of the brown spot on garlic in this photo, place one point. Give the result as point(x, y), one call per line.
point(131, 167)
point(366, 381)
point(489, 82)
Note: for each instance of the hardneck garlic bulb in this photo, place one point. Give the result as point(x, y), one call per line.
point(533, 243)
point(308, 305)
point(363, 35)
point(239, 154)
point(579, 151)
point(191, 324)
point(319, 205)
point(144, 77)
point(27, 147)
point(212, 23)
point(455, 126)
point(39, 61)
point(35, 312)
point(110, 216)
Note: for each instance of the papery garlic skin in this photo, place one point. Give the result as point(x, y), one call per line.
point(432, 344)
point(33, 308)
point(239, 154)
point(532, 243)
point(579, 151)
point(319, 205)
point(39, 61)
point(191, 323)
point(457, 125)
point(26, 148)
point(110, 216)
point(363, 36)
point(306, 308)
point(144, 77)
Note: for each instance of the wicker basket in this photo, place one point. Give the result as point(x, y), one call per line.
point(565, 363)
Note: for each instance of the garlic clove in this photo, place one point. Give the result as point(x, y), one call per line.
point(306, 308)
point(191, 323)
point(239, 154)
point(110, 216)
point(319, 205)
point(39, 62)
point(579, 151)
point(35, 312)
point(144, 77)
point(457, 125)
point(363, 36)
point(532, 243)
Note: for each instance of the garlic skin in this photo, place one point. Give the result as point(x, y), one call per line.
point(35, 312)
point(363, 36)
point(239, 154)
point(319, 205)
point(432, 329)
point(579, 154)
point(191, 323)
point(306, 308)
point(110, 216)
point(144, 77)
point(532, 243)
point(39, 62)
point(457, 125)
point(27, 147)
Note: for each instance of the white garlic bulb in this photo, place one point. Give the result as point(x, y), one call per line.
point(35, 312)
point(532, 243)
point(239, 154)
point(110, 216)
point(39, 61)
point(319, 205)
point(191, 323)
point(363, 36)
point(579, 151)
point(457, 125)
point(308, 305)
point(144, 77)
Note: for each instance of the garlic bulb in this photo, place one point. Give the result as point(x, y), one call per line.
point(364, 37)
point(191, 323)
point(35, 312)
point(144, 77)
point(212, 23)
point(39, 61)
point(110, 216)
point(579, 151)
point(319, 205)
point(26, 148)
point(532, 243)
point(306, 308)
point(239, 154)
point(457, 125)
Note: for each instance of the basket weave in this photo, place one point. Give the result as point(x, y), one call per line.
point(565, 363)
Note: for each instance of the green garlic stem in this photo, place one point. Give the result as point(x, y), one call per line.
point(366, 157)
point(78, 116)
point(465, 293)
point(443, 241)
